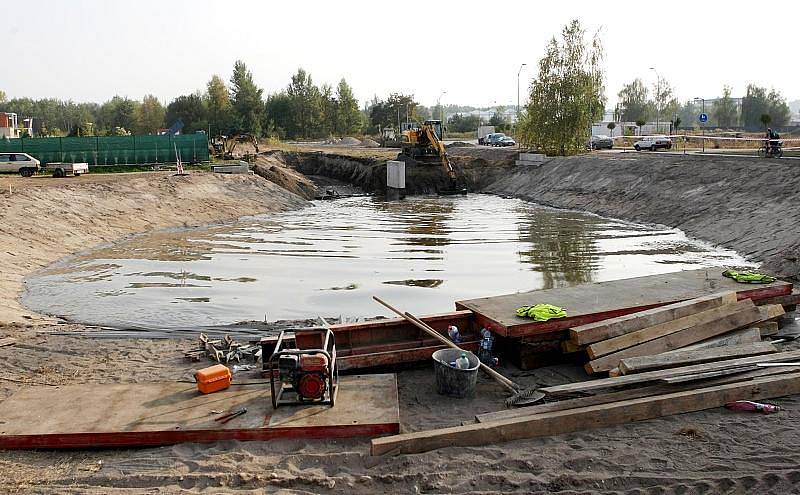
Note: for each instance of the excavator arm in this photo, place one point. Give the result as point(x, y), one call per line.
point(439, 146)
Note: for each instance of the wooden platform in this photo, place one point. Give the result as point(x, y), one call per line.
point(114, 415)
point(594, 302)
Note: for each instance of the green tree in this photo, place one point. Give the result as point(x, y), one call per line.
point(724, 111)
point(246, 99)
point(765, 119)
point(2, 96)
point(348, 117)
point(393, 111)
point(567, 95)
point(118, 112)
point(305, 108)
point(218, 103)
point(633, 101)
point(758, 101)
point(463, 123)
point(611, 126)
point(498, 120)
point(191, 109)
point(150, 115)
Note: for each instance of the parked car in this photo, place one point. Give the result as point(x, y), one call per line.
point(19, 163)
point(600, 141)
point(492, 138)
point(505, 141)
point(653, 143)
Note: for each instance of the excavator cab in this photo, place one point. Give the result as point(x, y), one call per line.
point(437, 127)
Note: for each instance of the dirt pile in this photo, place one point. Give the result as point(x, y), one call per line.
point(275, 170)
point(369, 143)
point(746, 204)
point(349, 141)
point(45, 219)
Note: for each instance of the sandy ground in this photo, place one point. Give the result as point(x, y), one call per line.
point(713, 451)
point(44, 219)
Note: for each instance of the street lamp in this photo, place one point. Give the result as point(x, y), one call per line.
point(658, 97)
point(518, 73)
point(703, 123)
point(441, 110)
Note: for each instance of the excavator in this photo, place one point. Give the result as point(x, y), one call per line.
point(222, 146)
point(423, 143)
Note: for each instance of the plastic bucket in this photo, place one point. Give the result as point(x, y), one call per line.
point(452, 381)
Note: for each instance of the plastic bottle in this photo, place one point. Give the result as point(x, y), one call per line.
point(454, 334)
point(462, 362)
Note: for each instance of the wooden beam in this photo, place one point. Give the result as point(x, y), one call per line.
point(582, 418)
point(768, 328)
point(606, 329)
point(677, 340)
point(786, 300)
point(632, 393)
point(650, 333)
point(743, 336)
point(570, 347)
point(604, 383)
point(679, 358)
point(771, 311)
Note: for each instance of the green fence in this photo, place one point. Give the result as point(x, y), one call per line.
point(112, 150)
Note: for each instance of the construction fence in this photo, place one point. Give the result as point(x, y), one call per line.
point(112, 150)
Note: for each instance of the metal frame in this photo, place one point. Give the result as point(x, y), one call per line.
point(328, 350)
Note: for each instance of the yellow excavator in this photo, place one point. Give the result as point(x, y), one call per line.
point(423, 143)
point(222, 147)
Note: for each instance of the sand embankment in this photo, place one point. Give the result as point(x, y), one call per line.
point(746, 204)
point(44, 219)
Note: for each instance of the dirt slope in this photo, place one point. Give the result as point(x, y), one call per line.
point(746, 204)
point(44, 219)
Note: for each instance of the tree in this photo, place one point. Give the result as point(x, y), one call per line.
point(191, 109)
point(304, 105)
point(498, 120)
point(640, 123)
point(391, 112)
point(348, 117)
point(150, 115)
point(633, 101)
point(611, 126)
point(2, 96)
point(567, 95)
point(724, 110)
point(246, 99)
point(460, 123)
point(758, 101)
point(218, 103)
point(118, 112)
point(765, 119)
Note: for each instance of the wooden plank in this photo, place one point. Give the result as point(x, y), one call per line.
point(768, 328)
point(7, 341)
point(675, 359)
point(589, 303)
point(133, 414)
point(607, 329)
point(792, 299)
point(771, 311)
point(743, 373)
point(569, 347)
point(603, 415)
point(604, 383)
point(650, 333)
point(677, 340)
point(743, 336)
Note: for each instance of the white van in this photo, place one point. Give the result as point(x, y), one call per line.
point(21, 163)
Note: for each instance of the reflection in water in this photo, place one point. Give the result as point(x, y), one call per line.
point(423, 254)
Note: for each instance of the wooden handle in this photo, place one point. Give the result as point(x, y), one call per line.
point(433, 333)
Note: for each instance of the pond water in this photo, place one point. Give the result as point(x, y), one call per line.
point(421, 254)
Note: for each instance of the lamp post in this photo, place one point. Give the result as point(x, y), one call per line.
point(703, 123)
point(441, 110)
point(518, 73)
point(658, 98)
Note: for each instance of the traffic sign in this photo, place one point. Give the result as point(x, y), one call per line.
point(703, 118)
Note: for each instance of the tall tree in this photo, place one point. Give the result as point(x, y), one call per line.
point(758, 101)
point(724, 111)
point(393, 111)
point(218, 103)
point(150, 115)
point(305, 107)
point(118, 113)
point(191, 109)
point(348, 117)
point(567, 95)
point(633, 101)
point(246, 99)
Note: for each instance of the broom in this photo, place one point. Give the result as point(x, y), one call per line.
point(521, 396)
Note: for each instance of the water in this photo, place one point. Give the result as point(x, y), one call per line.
point(421, 254)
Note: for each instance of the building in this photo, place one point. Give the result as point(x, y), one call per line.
point(9, 126)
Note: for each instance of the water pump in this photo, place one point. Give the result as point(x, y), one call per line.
point(303, 368)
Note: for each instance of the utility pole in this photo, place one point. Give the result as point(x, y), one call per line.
point(658, 98)
point(441, 110)
point(518, 73)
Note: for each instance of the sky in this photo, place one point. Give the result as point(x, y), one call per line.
point(459, 52)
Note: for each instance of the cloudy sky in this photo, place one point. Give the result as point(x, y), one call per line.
point(91, 50)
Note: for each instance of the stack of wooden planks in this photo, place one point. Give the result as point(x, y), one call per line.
point(688, 356)
point(676, 334)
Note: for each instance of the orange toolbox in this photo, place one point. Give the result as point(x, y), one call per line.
point(213, 379)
